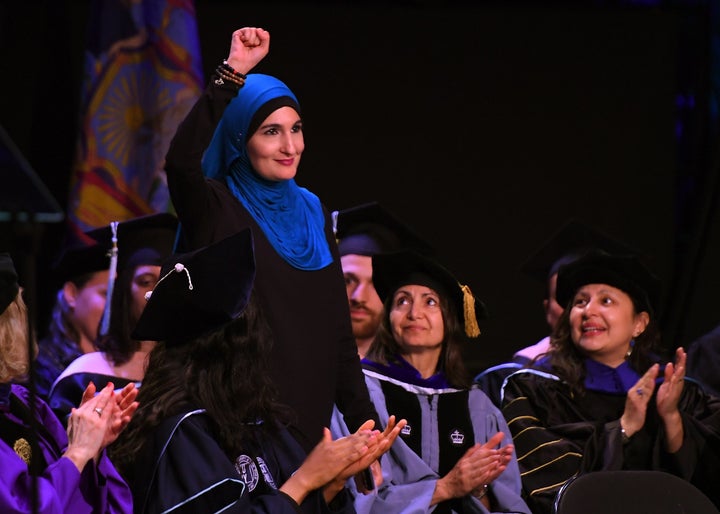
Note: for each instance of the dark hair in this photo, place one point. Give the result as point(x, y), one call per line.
point(385, 349)
point(567, 362)
point(61, 345)
point(117, 343)
point(61, 333)
point(224, 372)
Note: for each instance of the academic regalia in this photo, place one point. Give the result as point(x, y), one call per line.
point(54, 355)
point(141, 241)
point(370, 228)
point(491, 380)
point(68, 389)
point(703, 361)
point(558, 434)
point(182, 467)
point(314, 362)
point(443, 423)
point(61, 346)
point(61, 488)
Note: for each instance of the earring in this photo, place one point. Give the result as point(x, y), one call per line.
point(630, 349)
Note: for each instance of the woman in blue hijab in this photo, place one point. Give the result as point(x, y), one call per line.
point(232, 166)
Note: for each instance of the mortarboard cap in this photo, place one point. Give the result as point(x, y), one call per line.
point(200, 291)
point(79, 259)
point(145, 240)
point(394, 270)
point(567, 243)
point(623, 271)
point(8, 281)
point(369, 229)
point(142, 240)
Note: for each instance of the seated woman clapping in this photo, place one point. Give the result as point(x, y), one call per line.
point(44, 468)
point(210, 435)
point(603, 399)
point(455, 453)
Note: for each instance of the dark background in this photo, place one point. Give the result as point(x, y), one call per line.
point(484, 126)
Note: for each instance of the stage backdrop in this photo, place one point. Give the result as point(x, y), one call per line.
point(484, 127)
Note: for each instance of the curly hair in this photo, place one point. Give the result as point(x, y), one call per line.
point(224, 372)
point(385, 349)
point(567, 362)
point(14, 361)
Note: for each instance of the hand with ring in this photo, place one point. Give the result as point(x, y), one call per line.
point(125, 400)
point(633, 417)
point(88, 425)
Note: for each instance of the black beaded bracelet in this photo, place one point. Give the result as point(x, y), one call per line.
point(232, 70)
point(224, 75)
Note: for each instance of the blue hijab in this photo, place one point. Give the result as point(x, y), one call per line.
point(291, 217)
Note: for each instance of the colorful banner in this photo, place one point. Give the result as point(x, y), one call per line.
point(143, 73)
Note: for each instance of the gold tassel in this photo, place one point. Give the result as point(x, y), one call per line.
point(471, 326)
point(23, 449)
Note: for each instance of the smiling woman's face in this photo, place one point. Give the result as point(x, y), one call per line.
point(603, 321)
point(275, 148)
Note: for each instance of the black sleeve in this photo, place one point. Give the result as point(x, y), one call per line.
point(192, 474)
point(191, 195)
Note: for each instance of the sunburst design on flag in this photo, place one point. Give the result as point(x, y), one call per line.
point(138, 88)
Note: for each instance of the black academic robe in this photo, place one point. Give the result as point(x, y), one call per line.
point(703, 361)
point(558, 435)
point(67, 391)
point(182, 467)
point(314, 362)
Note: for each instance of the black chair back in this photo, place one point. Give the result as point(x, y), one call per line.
point(631, 492)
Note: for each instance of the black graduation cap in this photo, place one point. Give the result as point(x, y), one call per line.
point(145, 240)
point(369, 229)
point(79, 259)
point(394, 270)
point(624, 271)
point(8, 281)
point(142, 240)
point(200, 291)
point(570, 241)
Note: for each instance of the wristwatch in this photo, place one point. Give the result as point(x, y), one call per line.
point(480, 492)
point(624, 436)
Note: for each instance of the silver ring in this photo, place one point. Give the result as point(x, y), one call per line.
point(98, 410)
point(639, 391)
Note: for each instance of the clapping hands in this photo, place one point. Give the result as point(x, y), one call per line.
point(480, 465)
point(332, 462)
point(98, 421)
point(667, 400)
